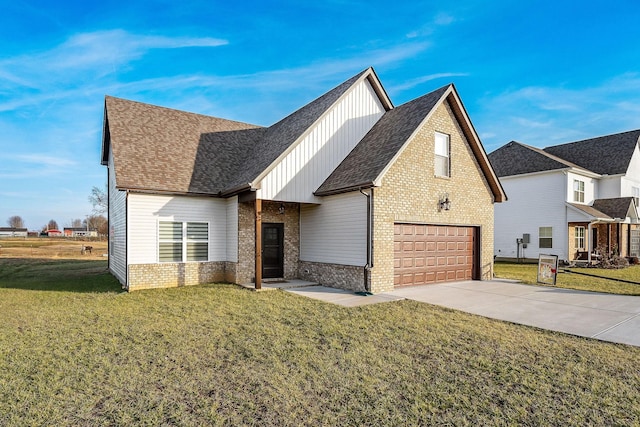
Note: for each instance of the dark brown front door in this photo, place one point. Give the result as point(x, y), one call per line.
point(272, 250)
point(426, 254)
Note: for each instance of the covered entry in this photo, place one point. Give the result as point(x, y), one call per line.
point(426, 254)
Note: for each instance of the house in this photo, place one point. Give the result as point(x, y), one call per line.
point(53, 233)
point(348, 191)
point(79, 232)
point(13, 232)
point(572, 200)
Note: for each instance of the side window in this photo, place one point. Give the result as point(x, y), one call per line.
point(183, 241)
point(545, 237)
point(442, 165)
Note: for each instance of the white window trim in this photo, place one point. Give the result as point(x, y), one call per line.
point(578, 193)
point(446, 156)
point(540, 237)
point(184, 240)
point(579, 237)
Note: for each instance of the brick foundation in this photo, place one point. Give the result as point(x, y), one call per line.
point(171, 275)
point(347, 277)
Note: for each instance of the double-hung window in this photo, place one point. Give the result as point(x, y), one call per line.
point(442, 164)
point(545, 237)
point(183, 241)
point(579, 234)
point(578, 191)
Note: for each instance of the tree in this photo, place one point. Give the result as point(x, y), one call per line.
point(99, 200)
point(76, 223)
point(97, 222)
point(52, 225)
point(15, 222)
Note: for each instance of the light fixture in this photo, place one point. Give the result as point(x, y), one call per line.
point(281, 209)
point(444, 203)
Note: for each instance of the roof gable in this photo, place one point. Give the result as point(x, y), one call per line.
point(618, 207)
point(374, 155)
point(515, 158)
point(606, 155)
point(160, 149)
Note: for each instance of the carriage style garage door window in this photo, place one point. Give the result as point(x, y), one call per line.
point(426, 254)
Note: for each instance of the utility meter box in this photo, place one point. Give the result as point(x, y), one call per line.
point(526, 238)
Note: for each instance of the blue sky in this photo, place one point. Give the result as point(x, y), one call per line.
point(542, 73)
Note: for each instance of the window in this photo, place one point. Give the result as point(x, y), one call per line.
point(578, 191)
point(442, 158)
point(545, 237)
point(579, 232)
point(180, 241)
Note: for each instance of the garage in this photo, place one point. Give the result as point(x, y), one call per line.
point(425, 254)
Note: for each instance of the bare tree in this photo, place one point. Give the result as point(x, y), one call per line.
point(52, 225)
point(99, 200)
point(16, 222)
point(76, 223)
point(97, 222)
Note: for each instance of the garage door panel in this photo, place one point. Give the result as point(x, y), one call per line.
point(431, 254)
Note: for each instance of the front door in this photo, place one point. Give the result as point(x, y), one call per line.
point(272, 250)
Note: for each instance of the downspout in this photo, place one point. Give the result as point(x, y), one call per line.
point(369, 264)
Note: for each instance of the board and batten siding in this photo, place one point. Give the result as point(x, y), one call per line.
point(145, 210)
point(335, 232)
point(232, 229)
point(534, 201)
point(304, 169)
point(117, 226)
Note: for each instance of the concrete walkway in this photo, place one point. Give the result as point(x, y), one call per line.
point(606, 317)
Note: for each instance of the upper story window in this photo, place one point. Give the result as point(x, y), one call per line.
point(545, 237)
point(442, 165)
point(578, 191)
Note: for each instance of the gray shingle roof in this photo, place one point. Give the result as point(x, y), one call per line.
point(615, 208)
point(161, 149)
point(515, 158)
point(369, 158)
point(606, 155)
point(591, 211)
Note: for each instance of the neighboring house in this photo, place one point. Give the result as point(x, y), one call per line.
point(347, 191)
point(79, 232)
point(571, 199)
point(13, 232)
point(53, 233)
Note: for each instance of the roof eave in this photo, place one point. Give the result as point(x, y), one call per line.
point(348, 189)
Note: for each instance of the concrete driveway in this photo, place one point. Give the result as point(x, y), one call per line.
point(606, 317)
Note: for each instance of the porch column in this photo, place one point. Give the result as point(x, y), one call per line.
point(258, 273)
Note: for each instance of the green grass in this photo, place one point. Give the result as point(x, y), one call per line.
point(527, 273)
point(221, 355)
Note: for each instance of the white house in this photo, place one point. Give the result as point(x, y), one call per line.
point(569, 200)
point(348, 191)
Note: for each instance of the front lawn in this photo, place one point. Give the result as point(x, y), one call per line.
point(527, 273)
point(75, 350)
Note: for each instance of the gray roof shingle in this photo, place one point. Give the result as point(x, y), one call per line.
point(617, 207)
point(369, 158)
point(515, 158)
point(161, 149)
point(605, 155)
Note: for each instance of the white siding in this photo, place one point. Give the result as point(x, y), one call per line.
point(590, 188)
point(117, 227)
point(232, 229)
point(306, 167)
point(144, 211)
point(632, 177)
point(609, 187)
point(336, 231)
point(534, 201)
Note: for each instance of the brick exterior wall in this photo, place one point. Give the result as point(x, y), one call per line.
point(247, 242)
point(410, 192)
point(171, 275)
point(349, 277)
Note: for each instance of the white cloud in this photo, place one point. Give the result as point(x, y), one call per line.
point(410, 84)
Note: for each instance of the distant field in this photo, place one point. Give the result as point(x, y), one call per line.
point(51, 248)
